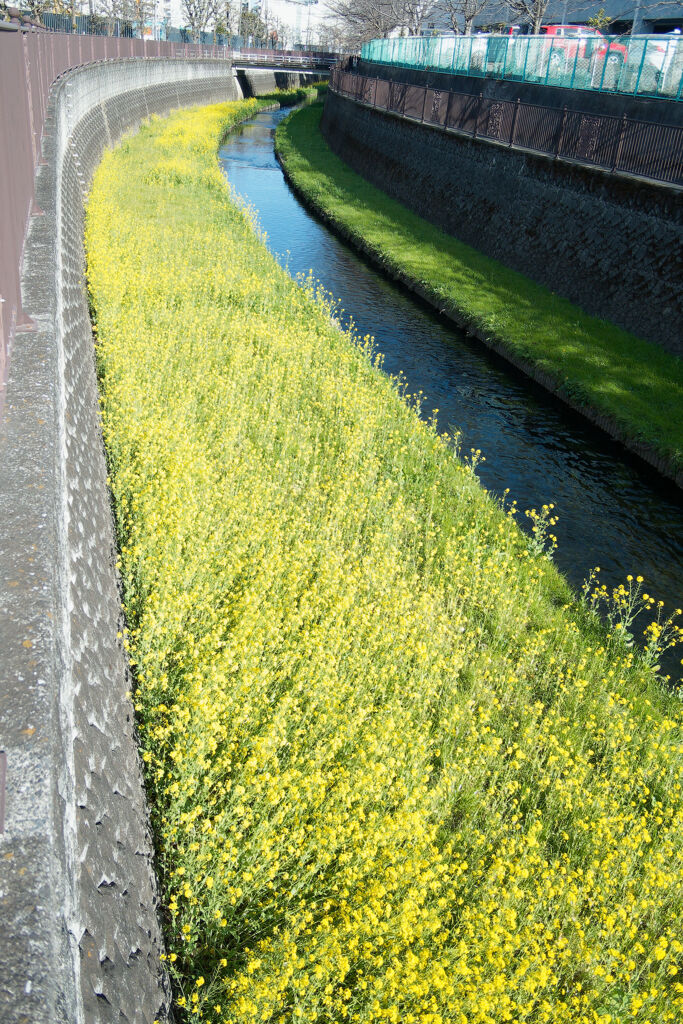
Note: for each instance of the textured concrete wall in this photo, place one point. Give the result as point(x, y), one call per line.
point(30, 62)
point(257, 83)
point(80, 940)
point(612, 246)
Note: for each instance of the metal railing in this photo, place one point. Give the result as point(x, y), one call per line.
point(294, 59)
point(615, 144)
point(634, 65)
point(208, 44)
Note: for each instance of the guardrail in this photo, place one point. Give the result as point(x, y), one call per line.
point(615, 144)
point(634, 65)
point(283, 59)
point(219, 47)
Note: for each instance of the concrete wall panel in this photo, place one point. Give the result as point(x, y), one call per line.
point(80, 940)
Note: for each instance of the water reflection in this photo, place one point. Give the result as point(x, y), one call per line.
point(613, 511)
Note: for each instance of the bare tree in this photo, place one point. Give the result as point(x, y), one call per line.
point(136, 12)
point(225, 15)
point(111, 11)
point(461, 13)
point(198, 14)
point(357, 22)
point(279, 32)
point(361, 20)
point(252, 26)
point(333, 36)
point(414, 13)
point(531, 12)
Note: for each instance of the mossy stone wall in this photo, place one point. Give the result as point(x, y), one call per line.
point(611, 244)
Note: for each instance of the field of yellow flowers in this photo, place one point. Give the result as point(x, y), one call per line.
point(396, 772)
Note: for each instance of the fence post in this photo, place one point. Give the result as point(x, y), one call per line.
point(476, 119)
point(620, 142)
point(505, 58)
point(640, 71)
point(374, 95)
point(514, 122)
point(424, 102)
point(448, 108)
point(560, 134)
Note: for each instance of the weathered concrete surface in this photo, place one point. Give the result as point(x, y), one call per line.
point(257, 83)
point(80, 939)
point(614, 246)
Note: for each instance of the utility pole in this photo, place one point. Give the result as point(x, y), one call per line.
point(308, 4)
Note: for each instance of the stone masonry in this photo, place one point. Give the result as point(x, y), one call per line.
point(609, 243)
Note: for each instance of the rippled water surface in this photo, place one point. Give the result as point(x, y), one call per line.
point(613, 512)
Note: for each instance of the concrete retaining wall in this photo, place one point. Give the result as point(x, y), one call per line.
point(257, 83)
point(80, 940)
point(612, 246)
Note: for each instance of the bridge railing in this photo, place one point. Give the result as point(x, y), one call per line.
point(634, 65)
point(615, 144)
point(284, 58)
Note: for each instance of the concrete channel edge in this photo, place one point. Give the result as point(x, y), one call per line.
point(81, 938)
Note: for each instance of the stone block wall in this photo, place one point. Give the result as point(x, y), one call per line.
point(611, 244)
point(80, 939)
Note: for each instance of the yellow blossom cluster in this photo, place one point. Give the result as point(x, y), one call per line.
point(397, 773)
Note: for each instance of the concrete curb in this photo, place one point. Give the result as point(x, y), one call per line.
point(80, 940)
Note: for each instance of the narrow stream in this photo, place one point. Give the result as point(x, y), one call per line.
point(613, 511)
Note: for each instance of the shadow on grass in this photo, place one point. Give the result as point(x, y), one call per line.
point(630, 381)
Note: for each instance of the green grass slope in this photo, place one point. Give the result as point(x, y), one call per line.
point(630, 386)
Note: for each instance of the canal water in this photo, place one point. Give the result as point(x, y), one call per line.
point(613, 512)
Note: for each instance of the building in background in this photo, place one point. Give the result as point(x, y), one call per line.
point(296, 23)
point(170, 13)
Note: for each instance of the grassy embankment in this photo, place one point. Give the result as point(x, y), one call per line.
point(629, 386)
point(395, 774)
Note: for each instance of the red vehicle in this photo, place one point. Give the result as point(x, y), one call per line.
point(572, 42)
